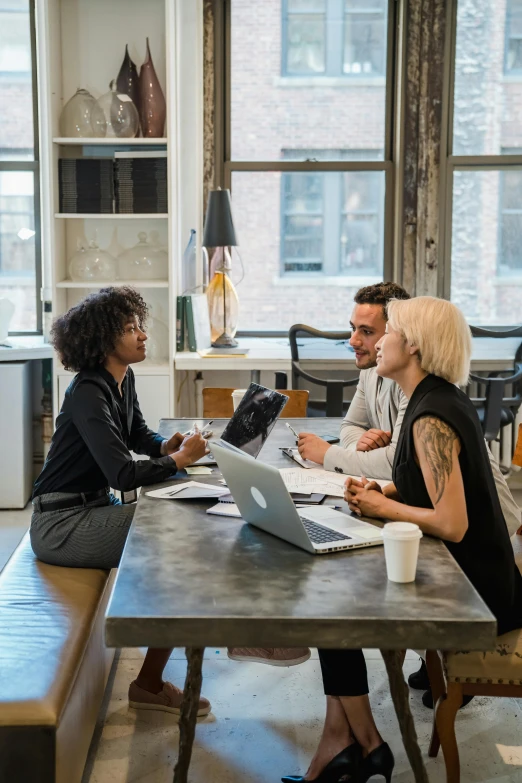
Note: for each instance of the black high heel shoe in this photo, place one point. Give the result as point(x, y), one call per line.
point(343, 767)
point(379, 762)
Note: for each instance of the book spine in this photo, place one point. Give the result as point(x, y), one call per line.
point(180, 323)
point(191, 332)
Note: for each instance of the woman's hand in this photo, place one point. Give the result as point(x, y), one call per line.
point(192, 448)
point(364, 498)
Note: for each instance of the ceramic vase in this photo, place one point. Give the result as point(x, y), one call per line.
point(128, 80)
point(153, 108)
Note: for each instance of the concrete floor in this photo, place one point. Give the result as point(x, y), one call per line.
point(266, 721)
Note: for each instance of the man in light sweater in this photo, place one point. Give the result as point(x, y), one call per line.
point(370, 431)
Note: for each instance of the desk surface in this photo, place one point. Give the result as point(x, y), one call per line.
point(193, 579)
point(25, 348)
point(273, 353)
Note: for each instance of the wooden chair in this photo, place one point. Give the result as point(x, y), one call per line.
point(457, 674)
point(217, 403)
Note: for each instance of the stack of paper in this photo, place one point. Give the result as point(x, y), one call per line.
point(317, 480)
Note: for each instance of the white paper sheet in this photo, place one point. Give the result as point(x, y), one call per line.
point(188, 490)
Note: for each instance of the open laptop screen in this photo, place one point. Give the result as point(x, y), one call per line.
point(254, 419)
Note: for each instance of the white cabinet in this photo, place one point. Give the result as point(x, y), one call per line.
point(16, 454)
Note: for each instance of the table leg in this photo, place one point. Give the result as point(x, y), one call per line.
point(189, 711)
point(400, 696)
point(255, 376)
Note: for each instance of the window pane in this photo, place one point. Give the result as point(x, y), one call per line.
point(305, 48)
point(16, 98)
point(288, 88)
point(17, 247)
point(364, 43)
point(488, 101)
point(304, 254)
point(486, 257)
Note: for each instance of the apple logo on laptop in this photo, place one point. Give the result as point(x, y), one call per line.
point(258, 497)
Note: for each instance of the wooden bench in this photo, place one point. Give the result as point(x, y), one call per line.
point(53, 666)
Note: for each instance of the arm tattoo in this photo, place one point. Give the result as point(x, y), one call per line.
point(437, 439)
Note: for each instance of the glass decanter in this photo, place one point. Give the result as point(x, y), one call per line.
point(143, 261)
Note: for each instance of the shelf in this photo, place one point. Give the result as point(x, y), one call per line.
point(112, 216)
point(109, 142)
point(104, 283)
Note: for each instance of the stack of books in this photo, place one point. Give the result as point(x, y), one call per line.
point(86, 185)
point(141, 185)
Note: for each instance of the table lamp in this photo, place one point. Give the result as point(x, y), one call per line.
point(223, 302)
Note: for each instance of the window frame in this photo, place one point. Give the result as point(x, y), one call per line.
point(451, 163)
point(225, 167)
point(34, 167)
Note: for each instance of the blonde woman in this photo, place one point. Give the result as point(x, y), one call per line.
point(442, 481)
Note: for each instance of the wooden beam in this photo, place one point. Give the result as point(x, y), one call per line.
point(209, 101)
point(425, 47)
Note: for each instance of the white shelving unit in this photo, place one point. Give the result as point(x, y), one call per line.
point(81, 43)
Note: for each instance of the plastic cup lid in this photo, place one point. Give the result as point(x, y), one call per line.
point(401, 530)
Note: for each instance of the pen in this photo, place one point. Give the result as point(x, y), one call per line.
point(292, 430)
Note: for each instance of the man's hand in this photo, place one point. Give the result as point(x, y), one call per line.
point(192, 448)
point(312, 447)
point(373, 439)
point(364, 497)
point(171, 445)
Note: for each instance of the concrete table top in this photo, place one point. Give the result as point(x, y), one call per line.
point(188, 578)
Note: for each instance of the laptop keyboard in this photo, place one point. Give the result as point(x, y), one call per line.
point(320, 534)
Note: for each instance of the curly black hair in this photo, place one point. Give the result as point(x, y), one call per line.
point(380, 294)
point(87, 333)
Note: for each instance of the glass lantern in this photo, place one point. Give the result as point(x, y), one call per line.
point(92, 264)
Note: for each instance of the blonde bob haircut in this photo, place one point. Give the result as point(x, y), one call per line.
point(439, 330)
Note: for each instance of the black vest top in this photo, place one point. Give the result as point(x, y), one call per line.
point(485, 553)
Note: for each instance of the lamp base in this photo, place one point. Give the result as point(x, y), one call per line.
point(224, 341)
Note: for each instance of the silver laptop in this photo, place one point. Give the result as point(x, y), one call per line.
point(263, 500)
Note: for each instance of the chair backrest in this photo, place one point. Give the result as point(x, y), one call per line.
point(334, 388)
point(217, 403)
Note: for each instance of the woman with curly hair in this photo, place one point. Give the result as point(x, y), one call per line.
point(76, 521)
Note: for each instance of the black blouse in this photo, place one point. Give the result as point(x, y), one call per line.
point(485, 553)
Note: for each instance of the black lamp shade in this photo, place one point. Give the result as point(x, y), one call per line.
point(219, 227)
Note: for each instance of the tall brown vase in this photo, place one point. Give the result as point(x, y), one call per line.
point(152, 106)
point(127, 81)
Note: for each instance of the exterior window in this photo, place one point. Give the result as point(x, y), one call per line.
point(334, 38)
point(306, 39)
point(19, 243)
point(513, 59)
point(332, 222)
point(510, 244)
point(364, 37)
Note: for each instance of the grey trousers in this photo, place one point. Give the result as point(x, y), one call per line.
point(89, 536)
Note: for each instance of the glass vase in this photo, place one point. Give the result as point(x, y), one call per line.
point(120, 116)
point(127, 81)
point(223, 305)
point(143, 261)
point(92, 264)
point(76, 119)
point(153, 109)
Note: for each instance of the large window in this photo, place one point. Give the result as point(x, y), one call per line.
point(334, 37)
point(485, 167)
point(19, 248)
point(308, 160)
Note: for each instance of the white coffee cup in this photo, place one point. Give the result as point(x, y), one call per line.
point(401, 550)
point(237, 396)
